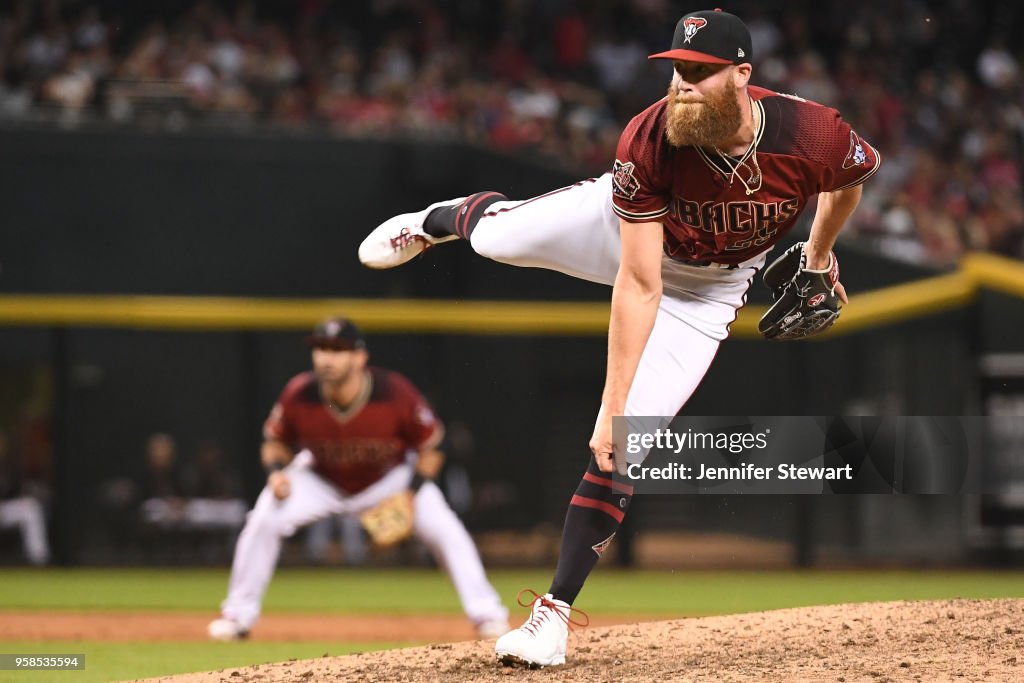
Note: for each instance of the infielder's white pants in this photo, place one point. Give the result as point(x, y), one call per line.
point(575, 231)
point(27, 514)
point(313, 498)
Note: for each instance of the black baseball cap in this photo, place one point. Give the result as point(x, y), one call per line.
point(710, 36)
point(338, 333)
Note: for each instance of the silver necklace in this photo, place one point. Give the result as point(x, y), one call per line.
point(753, 183)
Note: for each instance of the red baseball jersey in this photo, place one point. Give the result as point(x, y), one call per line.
point(802, 148)
point(356, 447)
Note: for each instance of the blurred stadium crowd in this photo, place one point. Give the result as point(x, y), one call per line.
point(936, 89)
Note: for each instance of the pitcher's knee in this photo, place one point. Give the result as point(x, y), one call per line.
point(262, 521)
point(437, 531)
point(504, 246)
point(25, 509)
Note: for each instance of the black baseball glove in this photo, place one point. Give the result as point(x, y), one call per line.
point(806, 301)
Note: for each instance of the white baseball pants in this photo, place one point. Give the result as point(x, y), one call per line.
point(313, 498)
point(27, 514)
point(575, 231)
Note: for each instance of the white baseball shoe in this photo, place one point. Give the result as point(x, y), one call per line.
point(492, 628)
point(226, 630)
point(401, 238)
point(541, 640)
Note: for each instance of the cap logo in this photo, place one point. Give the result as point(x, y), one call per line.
point(741, 53)
point(333, 328)
point(691, 25)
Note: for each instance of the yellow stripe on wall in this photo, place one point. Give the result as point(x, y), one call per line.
point(409, 316)
point(995, 272)
point(379, 315)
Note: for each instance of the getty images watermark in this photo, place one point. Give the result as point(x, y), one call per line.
point(731, 442)
point(788, 455)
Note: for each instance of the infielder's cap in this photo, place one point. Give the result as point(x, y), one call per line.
point(710, 36)
point(338, 333)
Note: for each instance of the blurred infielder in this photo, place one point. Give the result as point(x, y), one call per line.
point(351, 439)
point(704, 183)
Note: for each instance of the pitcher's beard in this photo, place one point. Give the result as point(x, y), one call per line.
point(703, 124)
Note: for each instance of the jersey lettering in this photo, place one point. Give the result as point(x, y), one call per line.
point(687, 212)
point(757, 220)
point(356, 452)
point(712, 214)
point(765, 215)
point(740, 217)
point(788, 210)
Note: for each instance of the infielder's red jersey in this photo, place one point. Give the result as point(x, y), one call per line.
point(354, 448)
point(802, 148)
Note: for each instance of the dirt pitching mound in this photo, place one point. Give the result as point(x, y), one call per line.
point(955, 640)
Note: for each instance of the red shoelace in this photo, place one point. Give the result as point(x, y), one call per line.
point(405, 238)
point(582, 621)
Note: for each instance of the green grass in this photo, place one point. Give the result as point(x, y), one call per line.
point(122, 661)
point(409, 591)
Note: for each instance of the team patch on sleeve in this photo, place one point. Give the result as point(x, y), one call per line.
point(856, 156)
point(425, 416)
point(624, 183)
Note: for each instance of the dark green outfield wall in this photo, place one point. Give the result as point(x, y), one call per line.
point(119, 213)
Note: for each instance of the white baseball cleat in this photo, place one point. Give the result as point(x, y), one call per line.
point(492, 628)
point(401, 238)
point(541, 640)
point(226, 630)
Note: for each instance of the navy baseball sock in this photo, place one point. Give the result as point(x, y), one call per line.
point(594, 515)
point(462, 218)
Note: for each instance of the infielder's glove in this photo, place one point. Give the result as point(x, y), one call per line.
point(806, 301)
point(390, 522)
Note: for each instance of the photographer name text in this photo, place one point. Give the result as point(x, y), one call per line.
point(746, 472)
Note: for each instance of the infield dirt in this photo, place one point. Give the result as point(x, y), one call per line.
point(954, 640)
